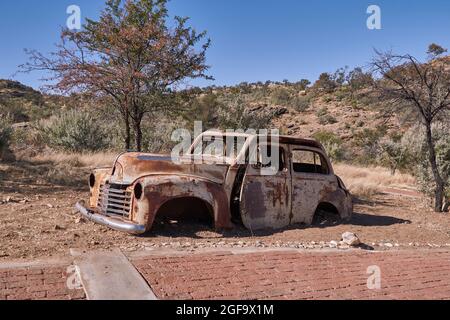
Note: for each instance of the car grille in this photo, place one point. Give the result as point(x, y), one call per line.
point(114, 200)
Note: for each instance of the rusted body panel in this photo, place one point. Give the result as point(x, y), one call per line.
point(266, 200)
point(139, 187)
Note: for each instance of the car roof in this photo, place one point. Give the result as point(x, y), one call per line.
point(281, 138)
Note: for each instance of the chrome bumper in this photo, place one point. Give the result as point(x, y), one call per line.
point(113, 223)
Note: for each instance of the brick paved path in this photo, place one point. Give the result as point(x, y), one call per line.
point(36, 283)
point(298, 275)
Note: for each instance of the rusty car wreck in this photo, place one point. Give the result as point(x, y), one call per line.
point(141, 187)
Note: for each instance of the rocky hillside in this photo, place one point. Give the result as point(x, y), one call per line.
point(23, 104)
point(15, 90)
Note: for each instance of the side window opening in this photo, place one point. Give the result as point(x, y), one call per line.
point(305, 161)
point(265, 158)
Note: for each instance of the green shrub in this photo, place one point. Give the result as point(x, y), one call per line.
point(368, 142)
point(322, 112)
point(423, 172)
point(324, 117)
point(5, 133)
point(328, 99)
point(234, 114)
point(157, 134)
point(281, 97)
point(301, 103)
point(396, 152)
point(325, 83)
point(327, 119)
point(15, 110)
point(332, 143)
point(341, 94)
point(74, 131)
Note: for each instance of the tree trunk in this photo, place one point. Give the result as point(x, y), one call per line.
point(127, 132)
point(138, 134)
point(439, 192)
point(393, 170)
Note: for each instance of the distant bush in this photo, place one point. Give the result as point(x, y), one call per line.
point(327, 119)
point(322, 112)
point(423, 170)
point(396, 152)
point(204, 109)
point(5, 133)
point(73, 131)
point(324, 117)
point(368, 142)
point(301, 103)
point(358, 79)
point(332, 143)
point(15, 110)
point(280, 96)
point(157, 133)
point(234, 114)
point(325, 83)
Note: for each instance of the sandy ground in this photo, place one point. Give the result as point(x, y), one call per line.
point(38, 220)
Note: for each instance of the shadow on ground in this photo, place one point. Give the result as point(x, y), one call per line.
point(191, 229)
point(368, 220)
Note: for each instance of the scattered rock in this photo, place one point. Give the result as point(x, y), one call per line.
point(333, 244)
point(389, 245)
point(351, 239)
point(80, 220)
point(59, 228)
point(256, 108)
point(279, 111)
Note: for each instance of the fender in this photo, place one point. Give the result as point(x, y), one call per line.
point(342, 201)
point(157, 190)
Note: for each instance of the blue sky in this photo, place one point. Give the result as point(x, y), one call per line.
point(252, 40)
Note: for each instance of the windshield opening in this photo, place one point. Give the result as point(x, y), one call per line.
point(219, 146)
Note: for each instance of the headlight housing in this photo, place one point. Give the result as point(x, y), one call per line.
point(138, 191)
point(92, 181)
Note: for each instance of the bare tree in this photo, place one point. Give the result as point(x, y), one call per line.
point(129, 56)
point(421, 89)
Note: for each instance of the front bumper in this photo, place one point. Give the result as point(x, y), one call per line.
point(113, 223)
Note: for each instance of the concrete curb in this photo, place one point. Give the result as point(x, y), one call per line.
point(109, 275)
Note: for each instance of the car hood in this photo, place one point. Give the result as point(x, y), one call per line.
point(132, 166)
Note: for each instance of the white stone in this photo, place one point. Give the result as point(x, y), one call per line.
point(351, 239)
point(333, 244)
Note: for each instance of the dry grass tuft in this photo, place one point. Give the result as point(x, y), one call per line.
point(365, 182)
point(92, 160)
